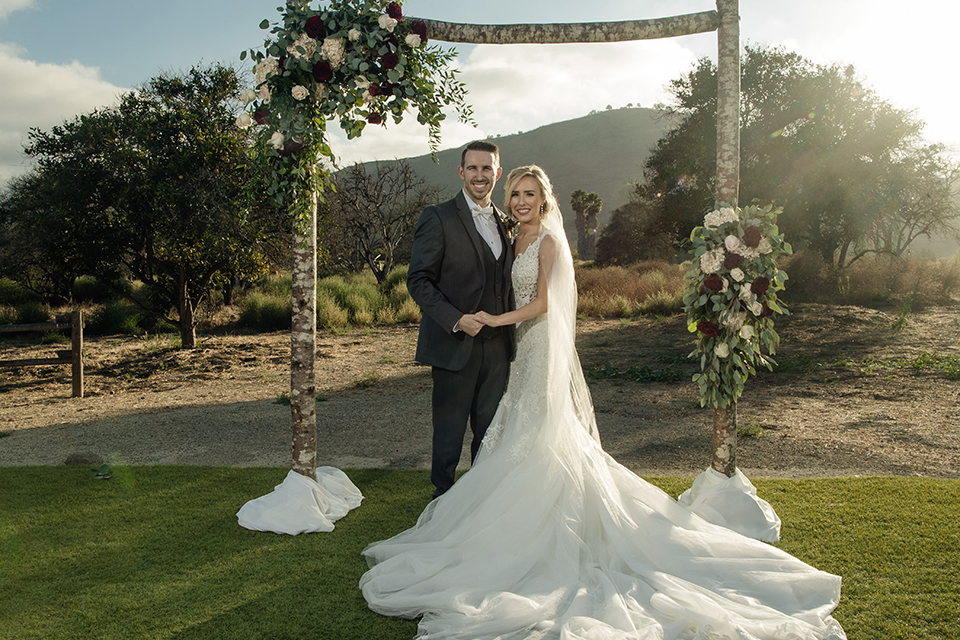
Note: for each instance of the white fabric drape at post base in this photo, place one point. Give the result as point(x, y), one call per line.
point(302, 505)
point(732, 503)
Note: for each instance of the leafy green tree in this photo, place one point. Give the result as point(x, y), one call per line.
point(154, 190)
point(852, 172)
point(626, 238)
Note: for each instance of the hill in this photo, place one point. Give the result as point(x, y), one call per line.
point(602, 152)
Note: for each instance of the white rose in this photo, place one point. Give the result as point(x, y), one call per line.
point(334, 51)
point(756, 308)
point(727, 214)
point(722, 350)
point(737, 274)
point(362, 82)
point(276, 140)
point(264, 93)
point(247, 96)
point(731, 242)
point(244, 120)
point(388, 23)
point(712, 220)
point(305, 42)
point(367, 98)
point(354, 35)
point(747, 332)
point(764, 247)
point(265, 68)
point(413, 40)
point(323, 90)
point(299, 92)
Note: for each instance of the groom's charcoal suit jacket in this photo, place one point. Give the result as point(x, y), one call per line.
point(450, 274)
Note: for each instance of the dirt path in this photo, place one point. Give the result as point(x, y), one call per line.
point(843, 403)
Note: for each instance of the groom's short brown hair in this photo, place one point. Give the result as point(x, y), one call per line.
point(481, 145)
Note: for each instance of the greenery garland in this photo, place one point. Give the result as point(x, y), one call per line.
point(358, 61)
point(732, 297)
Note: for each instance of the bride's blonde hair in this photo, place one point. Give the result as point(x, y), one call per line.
point(546, 189)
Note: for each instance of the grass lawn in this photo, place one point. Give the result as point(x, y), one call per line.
point(156, 552)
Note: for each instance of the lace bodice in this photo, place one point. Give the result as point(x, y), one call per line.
point(526, 270)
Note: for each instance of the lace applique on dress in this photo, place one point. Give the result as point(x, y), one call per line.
point(526, 394)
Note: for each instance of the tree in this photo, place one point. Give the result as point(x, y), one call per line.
point(622, 240)
point(153, 189)
point(849, 169)
point(376, 212)
point(586, 207)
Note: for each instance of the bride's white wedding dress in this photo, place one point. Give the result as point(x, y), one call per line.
point(547, 536)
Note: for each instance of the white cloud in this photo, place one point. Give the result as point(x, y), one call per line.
point(521, 87)
point(42, 95)
point(9, 6)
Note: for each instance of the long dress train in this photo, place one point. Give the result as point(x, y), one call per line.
point(547, 536)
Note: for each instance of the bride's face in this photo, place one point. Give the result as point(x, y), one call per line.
point(526, 200)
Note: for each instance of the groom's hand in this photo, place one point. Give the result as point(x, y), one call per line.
point(470, 324)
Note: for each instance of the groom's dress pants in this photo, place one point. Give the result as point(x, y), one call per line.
point(472, 395)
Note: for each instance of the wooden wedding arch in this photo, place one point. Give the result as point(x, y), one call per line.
point(725, 21)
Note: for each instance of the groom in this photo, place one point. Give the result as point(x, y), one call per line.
point(460, 265)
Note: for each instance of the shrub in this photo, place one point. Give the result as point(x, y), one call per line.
point(329, 314)
point(13, 294)
point(89, 289)
point(874, 280)
point(33, 312)
point(409, 311)
point(265, 312)
point(115, 317)
point(651, 286)
point(275, 285)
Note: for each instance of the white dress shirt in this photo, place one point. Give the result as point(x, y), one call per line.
point(486, 227)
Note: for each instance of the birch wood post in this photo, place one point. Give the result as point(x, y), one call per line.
point(76, 349)
point(728, 187)
point(627, 30)
point(303, 344)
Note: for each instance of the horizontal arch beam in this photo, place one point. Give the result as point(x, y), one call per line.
point(670, 27)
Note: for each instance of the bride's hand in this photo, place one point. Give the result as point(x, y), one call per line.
point(488, 319)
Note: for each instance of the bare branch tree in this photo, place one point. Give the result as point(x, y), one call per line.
point(376, 208)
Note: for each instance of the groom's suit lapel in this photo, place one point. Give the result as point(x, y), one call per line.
point(466, 217)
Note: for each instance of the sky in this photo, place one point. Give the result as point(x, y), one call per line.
point(60, 59)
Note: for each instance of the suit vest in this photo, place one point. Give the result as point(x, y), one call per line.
point(492, 299)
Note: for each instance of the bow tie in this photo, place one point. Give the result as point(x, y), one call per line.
point(484, 212)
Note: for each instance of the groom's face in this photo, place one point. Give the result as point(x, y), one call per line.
point(480, 172)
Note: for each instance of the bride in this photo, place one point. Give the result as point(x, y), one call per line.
point(547, 536)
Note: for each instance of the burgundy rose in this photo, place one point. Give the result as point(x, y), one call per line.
point(419, 27)
point(374, 89)
point(322, 71)
point(314, 27)
point(291, 147)
point(713, 282)
point(767, 311)
point(709, 329)
point(732, 261)
point(374, 118)
point(751, 237)
point(281, 63)
point(261, 116)
point(392, 39)
point(760, 285)
point(390, 60)
point(393, 10)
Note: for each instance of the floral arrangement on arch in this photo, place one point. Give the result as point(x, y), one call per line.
point(732, 297)
point(358, 61)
